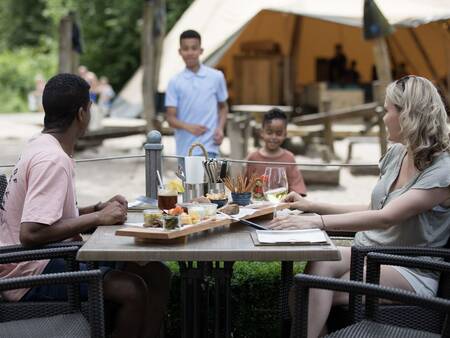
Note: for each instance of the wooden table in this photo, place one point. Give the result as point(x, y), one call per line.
point(227, 244)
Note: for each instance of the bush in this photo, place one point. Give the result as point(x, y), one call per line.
point(18, 69)
point(254, 292)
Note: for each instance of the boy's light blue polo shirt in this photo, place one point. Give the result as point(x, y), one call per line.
point(196, 97)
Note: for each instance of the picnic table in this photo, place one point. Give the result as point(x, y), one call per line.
point(211, 253)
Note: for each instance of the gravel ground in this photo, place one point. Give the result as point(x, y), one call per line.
point(99, 180)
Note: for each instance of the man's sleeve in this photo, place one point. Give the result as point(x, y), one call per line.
point(46, 194)
point(222, 93)
point(171, 99)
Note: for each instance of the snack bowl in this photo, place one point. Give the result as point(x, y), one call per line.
point(153, 218)
point(210, 209)
point(220, 203)
point(197, 212)
point(241, 198)
point(171, 222)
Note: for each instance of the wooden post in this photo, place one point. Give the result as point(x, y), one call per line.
point(383, 64)
point(328, 137)
point(148, 61)
point(65, 45)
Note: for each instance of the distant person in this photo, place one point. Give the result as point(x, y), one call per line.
point(400, 71)
point(196, 98)
point(273, 133)
point(105, 95)
point(40, 207)
point(82, 72)
point(35, 96)
point(338, 65)
point(352, 74)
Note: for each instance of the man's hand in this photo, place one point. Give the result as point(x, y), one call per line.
point(113, 213)
point(297, 202)
point(218, 136)
point(118, 198)
point(196, 129)
point(295, 223)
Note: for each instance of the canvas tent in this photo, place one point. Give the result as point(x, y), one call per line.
point(304, 31)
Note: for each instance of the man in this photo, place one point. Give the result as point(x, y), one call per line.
point(39, 207)
point(196, 100)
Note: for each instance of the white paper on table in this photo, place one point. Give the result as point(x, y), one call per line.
point(291, 236)
point(243, 212)
point(132, 224)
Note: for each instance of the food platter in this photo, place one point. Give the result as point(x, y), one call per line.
point(147, 234)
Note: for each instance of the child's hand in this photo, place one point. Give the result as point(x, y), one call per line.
point(196, 129)
point(218, 136)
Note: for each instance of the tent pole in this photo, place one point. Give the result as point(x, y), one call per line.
point(426, 58)
point(293, 61)
point(405, 55)
point(147, 62)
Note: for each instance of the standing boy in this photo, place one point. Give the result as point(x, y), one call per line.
point(196, 100)
point(273, 133)
point(39, 207)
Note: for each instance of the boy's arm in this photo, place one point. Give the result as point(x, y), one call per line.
point(223, 114)
point(35, 234)
point(174, 122)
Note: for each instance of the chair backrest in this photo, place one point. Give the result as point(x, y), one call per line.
point(3, 184)
point(444, 280)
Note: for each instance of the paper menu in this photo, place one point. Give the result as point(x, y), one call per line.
point(291, 236)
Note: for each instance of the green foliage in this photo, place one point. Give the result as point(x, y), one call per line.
point(111, 32)
point(254, 292)
point(18, 70)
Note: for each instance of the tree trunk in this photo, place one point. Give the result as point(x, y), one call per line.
point(147, 61)
point(65, 45)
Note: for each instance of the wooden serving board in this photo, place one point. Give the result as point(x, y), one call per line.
point(155, 235)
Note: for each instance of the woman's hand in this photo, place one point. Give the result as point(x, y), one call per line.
point(298, 202)
point(296, 223)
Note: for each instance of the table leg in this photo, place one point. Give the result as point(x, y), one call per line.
point(287, 271)
point(222, 277)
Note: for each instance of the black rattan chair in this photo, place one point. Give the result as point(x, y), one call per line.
point(367, 326)
point(402, 315)
point(40, 318)
point(3, 184)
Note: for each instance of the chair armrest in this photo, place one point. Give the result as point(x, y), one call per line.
point(359, 254)
point(95, 291)
point(20, 247)
point(375, 260)
point(302, 284)
point(38, 254)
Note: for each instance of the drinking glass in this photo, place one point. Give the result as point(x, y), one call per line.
point(275, 184)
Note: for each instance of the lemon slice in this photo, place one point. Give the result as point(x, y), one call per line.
point(175, 185)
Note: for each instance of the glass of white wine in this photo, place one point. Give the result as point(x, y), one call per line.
point(275, 184)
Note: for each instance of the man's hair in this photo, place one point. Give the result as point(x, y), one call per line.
point(190, 34)
point(64, 95)
point(274, 114)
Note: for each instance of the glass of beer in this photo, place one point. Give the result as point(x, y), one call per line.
point(167, 199)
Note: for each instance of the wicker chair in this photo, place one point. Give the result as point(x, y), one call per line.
point(369, 326)
point(47, 319)
point(402, 315)
point(3, 184)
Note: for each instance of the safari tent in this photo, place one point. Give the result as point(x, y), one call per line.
point(275, 47)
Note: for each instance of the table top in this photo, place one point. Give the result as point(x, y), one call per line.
point(228, 243)
point(258, 108)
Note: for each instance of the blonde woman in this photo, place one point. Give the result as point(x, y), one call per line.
point(410, 204)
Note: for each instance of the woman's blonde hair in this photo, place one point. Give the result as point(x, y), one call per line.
point(423, 118)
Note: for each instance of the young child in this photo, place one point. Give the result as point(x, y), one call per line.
point(195, 100)
point(273, 133)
